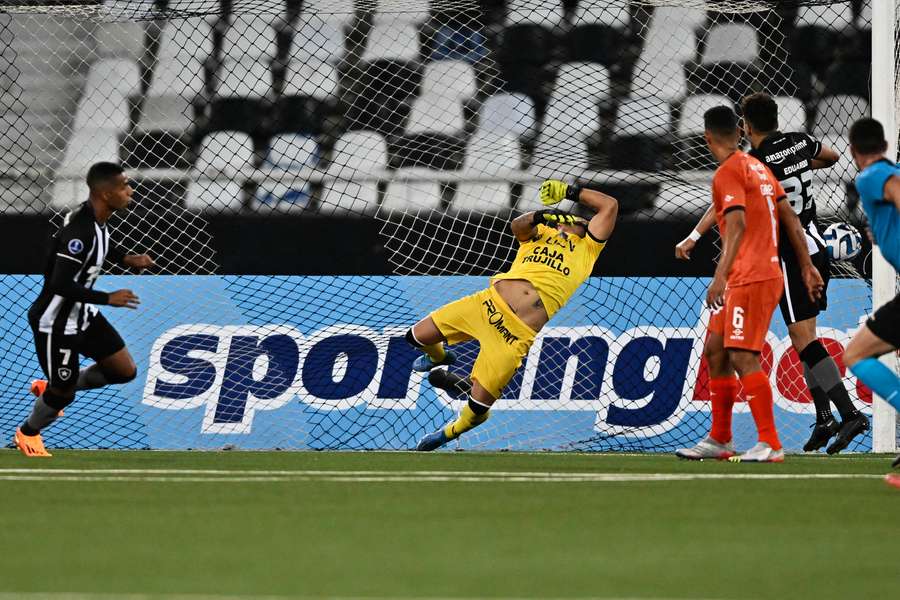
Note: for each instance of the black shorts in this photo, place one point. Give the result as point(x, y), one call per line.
point(58, 354)
point(885, 323)
point(795, 303)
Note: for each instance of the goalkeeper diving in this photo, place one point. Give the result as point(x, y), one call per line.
point(557, 251)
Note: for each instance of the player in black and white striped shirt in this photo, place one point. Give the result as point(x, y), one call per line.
point(65, 319)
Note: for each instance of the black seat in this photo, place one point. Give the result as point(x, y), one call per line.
point(427, 150)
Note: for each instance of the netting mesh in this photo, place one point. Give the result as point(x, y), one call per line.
point(438, 120)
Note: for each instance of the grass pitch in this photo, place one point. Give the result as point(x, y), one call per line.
point(217, 526)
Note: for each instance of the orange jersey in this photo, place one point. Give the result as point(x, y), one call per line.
point(743, 182)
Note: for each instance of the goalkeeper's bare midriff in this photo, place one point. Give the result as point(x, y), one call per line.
point(524, 300)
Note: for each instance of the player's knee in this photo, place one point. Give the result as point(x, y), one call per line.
point(411, 339)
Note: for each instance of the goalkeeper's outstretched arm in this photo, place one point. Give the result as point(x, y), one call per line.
point(552, 192)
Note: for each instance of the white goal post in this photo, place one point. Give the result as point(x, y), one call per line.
point(884, 108)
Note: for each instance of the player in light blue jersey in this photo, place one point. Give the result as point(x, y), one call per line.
point(878, 184)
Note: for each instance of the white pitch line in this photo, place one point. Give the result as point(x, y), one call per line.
point(244, 476)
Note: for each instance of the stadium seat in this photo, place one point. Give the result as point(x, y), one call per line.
point(488, 155)
point(834, 114)
point(85, 147)
point(414, 12)
point(104, 102)
point(316, 40)
point(411, 197)
point(832, 200)
point(449, 78)
point(185, 40)
point(864, 19)
point(817, 32)
point(791, 113)
point(355, 154)
point(238, 103)
point(559, 157)
point(121, 40)
point(844, 169)
point(317, 80)
point(222, 154)
point(575, 118)
point(671, 36)
point(662, 78)
point(581, 80)
point(436, 114)
point(110, 76)
point(165, 113)
point(244, 79)
point(642, 126)
point(681, 200)
point(156, 149)
point(525, 12)
point(691, 152)
point(511, 114)
point(289, 152)
point(426, 150)
point(598, 33)
point(248, 38)
point(392, 41)
point(730, 42)
point(171, 77)
point(458, 42)
point(836, 16)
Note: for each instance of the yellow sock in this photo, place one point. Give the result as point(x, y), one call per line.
point(435, 352)
point(467, 420)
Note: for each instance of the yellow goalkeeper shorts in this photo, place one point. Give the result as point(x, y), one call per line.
point(504, 338)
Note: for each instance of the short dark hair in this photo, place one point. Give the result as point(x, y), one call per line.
point(102, 172)
point(867, 136)
point(761, 111)
point(720, 120)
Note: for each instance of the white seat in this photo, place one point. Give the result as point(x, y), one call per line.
point(412, 196)
point(730, 42)
point(120, 40)
point(84, 148)
point(864, 21)
point(314, 79)
point(356, 154)
point(831, 199)
point(836, 16)
point(339, 12)
point(392, 41)
point(244, 79)
point(662, 78)
point(844, 169)
point(405, 11)
point(225, 152)
point(671, 34)
point(559, 158)
point(691, 121)
point(835, 114)
point(173, 77)
point(186, 40)
point(206, 195)
point(317, 40)
point(682, 199)
point(575, 118)
point(612, 14)
point(507, 114)
point(249, 37)
point(450, 78)
point(581, 80)
point(527, 12)
point(165, 113)
point(488, 155)
point(791, 113)
point(436, 114)
point(113, 76)
point(103, 111)
point(289, 152)
point(643, 117)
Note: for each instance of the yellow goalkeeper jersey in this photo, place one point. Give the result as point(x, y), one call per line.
point(555, 264)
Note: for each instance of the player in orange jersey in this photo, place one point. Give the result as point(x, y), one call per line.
point(749, 204)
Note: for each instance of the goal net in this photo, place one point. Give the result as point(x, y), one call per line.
point(436, 121)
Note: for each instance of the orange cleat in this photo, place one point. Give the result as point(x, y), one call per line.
point(892, 479)
point(37, 390)
point(38, 386)
point(31, 446)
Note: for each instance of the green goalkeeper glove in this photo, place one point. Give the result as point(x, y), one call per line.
point(554, 191)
